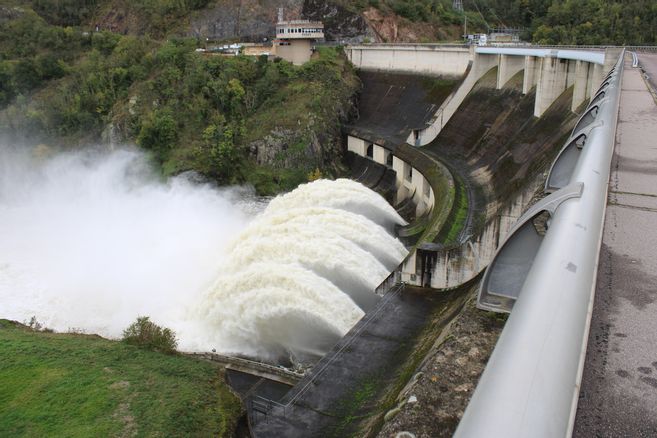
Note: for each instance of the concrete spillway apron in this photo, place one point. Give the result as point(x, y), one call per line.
point(531, 383)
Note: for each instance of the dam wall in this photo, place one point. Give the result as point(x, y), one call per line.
point(549, 71)
point(430, 59)
point(553, 84)
point(547, 276)
point(409, 181)
point(506, 159)
point(502, 158)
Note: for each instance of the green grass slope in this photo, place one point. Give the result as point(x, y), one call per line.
point(80, 386)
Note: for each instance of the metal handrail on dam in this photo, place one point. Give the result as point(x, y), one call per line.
point(531, 384)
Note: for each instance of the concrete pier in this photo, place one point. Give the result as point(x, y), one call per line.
point(508, 67)
point(531, 73)
point(581, 90)
point(552, 81)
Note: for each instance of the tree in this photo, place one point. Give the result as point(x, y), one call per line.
point(146, 334)
point(158, 133)
point(221, 152)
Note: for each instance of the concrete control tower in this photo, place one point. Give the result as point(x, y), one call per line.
point(295, 38)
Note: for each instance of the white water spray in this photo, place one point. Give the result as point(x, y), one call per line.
point(91, 240)
point(301, 275)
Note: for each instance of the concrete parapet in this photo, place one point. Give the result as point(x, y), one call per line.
point(508, 67)
point(458, 265)
point(414, 58)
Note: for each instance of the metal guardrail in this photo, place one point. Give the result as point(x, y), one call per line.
point(635, 60)
point(530, 386)
point(597, 57)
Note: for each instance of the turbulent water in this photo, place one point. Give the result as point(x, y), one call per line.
point(91, 240)
point(302, 274)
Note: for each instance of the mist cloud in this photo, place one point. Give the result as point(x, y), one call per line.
point(93, 239)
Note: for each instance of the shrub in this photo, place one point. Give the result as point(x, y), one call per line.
point(146, 334)
point(158, 133)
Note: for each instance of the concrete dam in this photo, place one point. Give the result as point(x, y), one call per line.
point(464, 142)
point(455, 270)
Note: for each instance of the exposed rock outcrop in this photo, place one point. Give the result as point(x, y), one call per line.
point(340, 24)
point(244, 20)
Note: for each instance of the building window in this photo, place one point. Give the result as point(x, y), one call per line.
point(370, 151)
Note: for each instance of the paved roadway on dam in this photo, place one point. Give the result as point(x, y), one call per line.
point(619, 387)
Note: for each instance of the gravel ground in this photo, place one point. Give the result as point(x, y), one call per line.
point(433, 403)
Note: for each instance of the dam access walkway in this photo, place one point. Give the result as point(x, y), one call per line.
point(618, 396)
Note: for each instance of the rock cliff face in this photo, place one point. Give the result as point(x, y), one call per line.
point(391, 28)
point(244, 20)
point(287, 149)
point(340, 24)
point(254, 20)
point(7, 13)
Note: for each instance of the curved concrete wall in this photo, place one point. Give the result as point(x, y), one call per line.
point(456, 266)
point(412, 58)
point(410, 182)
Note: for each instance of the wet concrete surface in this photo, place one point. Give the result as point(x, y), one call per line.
point(345, 388)
point(433, 404)
point(247, 385)
point(618, 396)
point(393, 104)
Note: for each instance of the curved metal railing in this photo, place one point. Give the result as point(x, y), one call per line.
point(531, 384)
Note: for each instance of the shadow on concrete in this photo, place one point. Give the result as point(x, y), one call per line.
point(392, 105)
point(343, 393)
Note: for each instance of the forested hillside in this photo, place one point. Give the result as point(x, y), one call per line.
point(81, 71)
point(631, 22)
point(232, 119)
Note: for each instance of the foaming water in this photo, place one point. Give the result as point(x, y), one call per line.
point(91, 240)
point(303, 273)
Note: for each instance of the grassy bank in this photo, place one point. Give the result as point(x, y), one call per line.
point(81, 385)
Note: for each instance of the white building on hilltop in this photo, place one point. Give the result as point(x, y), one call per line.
point(295, 38)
